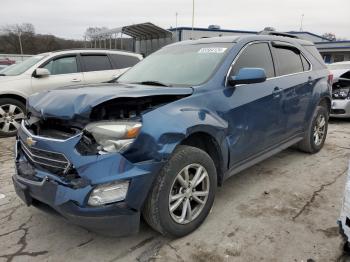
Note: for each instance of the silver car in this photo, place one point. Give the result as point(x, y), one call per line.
point(341, 89)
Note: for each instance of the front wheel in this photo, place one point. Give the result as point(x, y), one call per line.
point(317, 132)
point(183, 193)
point(12, 112)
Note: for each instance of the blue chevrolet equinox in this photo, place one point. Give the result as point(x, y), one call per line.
point(158, 140)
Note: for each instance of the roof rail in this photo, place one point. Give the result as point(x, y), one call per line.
point(278, 34)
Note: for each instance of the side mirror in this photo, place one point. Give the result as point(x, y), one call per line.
point(248, 76)
point(41, 72)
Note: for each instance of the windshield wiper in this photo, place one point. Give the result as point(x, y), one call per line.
point(2, 75)
point(151, 83)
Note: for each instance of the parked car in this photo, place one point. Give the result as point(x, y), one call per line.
point(159, 140)
point(341, 89)
point(51, 70)
point(7, 62)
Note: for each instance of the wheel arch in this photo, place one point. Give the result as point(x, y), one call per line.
point(209, 144)
point(14, 96)
point(326, 102)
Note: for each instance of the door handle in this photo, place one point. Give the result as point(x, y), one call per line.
point(76, 80)
point(309, 80)
point(277, 92)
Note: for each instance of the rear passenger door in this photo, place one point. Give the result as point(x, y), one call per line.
point(97, 68)
point(296, 85)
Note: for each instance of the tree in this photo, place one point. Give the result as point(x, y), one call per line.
point(91, 31)
point(330, 36)
point(18, 36)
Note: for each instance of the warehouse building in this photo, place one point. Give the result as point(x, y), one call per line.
point(331, 51)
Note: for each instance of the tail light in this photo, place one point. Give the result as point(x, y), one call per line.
point(330, 79)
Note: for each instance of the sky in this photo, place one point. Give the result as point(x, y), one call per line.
point(70, 18)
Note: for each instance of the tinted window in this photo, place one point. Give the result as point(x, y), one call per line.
point(306, 64)
point(289, 61)
point(123, 61)
point(96, 63)
point(63, 65)
point(255, 55)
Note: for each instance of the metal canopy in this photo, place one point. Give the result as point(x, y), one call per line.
point(138, 31)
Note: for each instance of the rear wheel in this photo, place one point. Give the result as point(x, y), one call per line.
point(12, 112)
point(317, 132)
point(183, 193)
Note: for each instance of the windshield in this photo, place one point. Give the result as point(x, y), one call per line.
point(183, 65)
point(20, 68)
point(338, 66)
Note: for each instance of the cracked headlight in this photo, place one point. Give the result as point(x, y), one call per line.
point(109, 193)
point(114, 136)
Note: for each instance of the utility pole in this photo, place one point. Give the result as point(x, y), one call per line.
point(192, 18)
point(301, 22)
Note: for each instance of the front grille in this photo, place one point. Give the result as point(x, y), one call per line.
point(52, 161)
point(337, 111)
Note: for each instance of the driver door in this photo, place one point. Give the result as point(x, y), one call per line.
point(64, 71)
point(254, 120)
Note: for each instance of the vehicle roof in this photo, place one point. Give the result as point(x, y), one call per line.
point(91, 50)
point(252, 37)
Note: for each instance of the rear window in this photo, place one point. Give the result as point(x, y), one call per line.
point(289, 61)
point(96, 63)
point(314, 52)
point(123, 61)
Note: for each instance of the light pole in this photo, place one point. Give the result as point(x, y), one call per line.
point(192, 18)
point(301, 22)
point(177, 38)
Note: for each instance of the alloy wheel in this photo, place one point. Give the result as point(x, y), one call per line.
point(319, 130)
point(10, 118)
point(189, 193)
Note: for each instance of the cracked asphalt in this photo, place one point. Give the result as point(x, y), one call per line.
point(283, 209)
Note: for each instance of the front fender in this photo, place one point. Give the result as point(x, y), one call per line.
point(165, 128)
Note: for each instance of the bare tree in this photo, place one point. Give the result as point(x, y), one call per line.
point(19, 36)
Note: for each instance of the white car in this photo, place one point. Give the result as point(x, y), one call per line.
point(344, 220)
point(52, 70)
point(341, 89)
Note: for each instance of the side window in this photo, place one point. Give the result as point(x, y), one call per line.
point(255, 55)
point(63, 65)
point(289, 61)
point(96, 63)
point(123, 61)
point(306, 64)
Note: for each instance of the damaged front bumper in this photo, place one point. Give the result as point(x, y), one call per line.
point(52, 175)
point(340, 108)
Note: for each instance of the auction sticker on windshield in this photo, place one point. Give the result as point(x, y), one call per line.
point(212, 50)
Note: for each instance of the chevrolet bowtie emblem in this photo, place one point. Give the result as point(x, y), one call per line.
point(30, 141)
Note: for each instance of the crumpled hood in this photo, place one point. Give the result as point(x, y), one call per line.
point(337, 73)
point(70, 102)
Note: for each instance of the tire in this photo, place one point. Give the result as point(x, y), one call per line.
point(156, 210)
point(12, 112)
point(308, 144)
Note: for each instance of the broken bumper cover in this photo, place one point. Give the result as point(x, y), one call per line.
point(114, 220)
point(51, 192)
point(340, 108)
